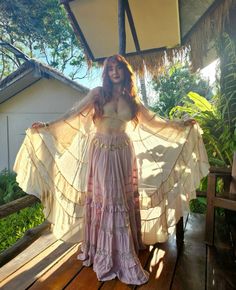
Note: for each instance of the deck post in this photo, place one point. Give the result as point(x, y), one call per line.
point(210, 215)
point(180, 234)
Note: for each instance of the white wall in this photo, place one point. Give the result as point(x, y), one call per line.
point(43, 101)
point(3, 142)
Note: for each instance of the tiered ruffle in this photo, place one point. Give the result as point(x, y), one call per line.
point(112, 233)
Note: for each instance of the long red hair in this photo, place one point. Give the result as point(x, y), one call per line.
point(129, 92)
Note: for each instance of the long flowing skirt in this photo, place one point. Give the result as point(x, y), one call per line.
point(112, 232)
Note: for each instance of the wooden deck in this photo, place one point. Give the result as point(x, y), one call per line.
point(50, 264)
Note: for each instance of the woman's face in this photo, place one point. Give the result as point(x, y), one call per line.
point(116, 72)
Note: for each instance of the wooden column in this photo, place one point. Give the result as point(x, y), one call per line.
point(121, 26)
point(210, 214)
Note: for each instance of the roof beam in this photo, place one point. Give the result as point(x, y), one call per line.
point(132, 26)
point(121, 26)
point(77, 29)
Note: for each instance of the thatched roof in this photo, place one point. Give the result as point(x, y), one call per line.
point(159, 29)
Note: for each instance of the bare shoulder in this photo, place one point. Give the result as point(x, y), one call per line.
point(95, 91)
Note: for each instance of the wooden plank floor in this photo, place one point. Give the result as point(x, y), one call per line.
point(50, 265)
point(221, 266)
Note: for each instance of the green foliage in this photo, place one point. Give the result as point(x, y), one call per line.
point(198, 205)
point(227, 102)
point(174, 84)
point(41, 30)
point(14, 226)
point(220, 141)
point(9, 188)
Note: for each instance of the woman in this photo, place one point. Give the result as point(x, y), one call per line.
point(88, 165)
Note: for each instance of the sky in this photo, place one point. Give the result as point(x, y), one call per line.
point(92, 79)
point(210, 71)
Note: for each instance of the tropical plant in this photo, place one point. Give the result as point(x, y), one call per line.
point(219, 140)
point(173, 84)
point(227, 101)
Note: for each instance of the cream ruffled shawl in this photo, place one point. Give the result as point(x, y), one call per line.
point(52, 165)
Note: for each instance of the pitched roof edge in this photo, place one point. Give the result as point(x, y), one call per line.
point(41, 70)
point(52, 72)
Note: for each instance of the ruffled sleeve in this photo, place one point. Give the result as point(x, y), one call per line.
point(171, 161)
point(52, 165)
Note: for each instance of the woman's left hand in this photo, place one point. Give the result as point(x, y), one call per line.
point(189, 122)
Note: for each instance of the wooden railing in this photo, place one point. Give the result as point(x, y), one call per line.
point(17, 205)
point(30, 235)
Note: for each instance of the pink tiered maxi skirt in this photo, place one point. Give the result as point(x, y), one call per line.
point(112, 231)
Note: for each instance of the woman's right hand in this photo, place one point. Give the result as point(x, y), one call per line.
point(38, 125)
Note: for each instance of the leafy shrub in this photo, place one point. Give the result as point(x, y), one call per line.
point(9, 188)
point(14, 226)
point(220, 141)
point(175, 82)
point(198, 205)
